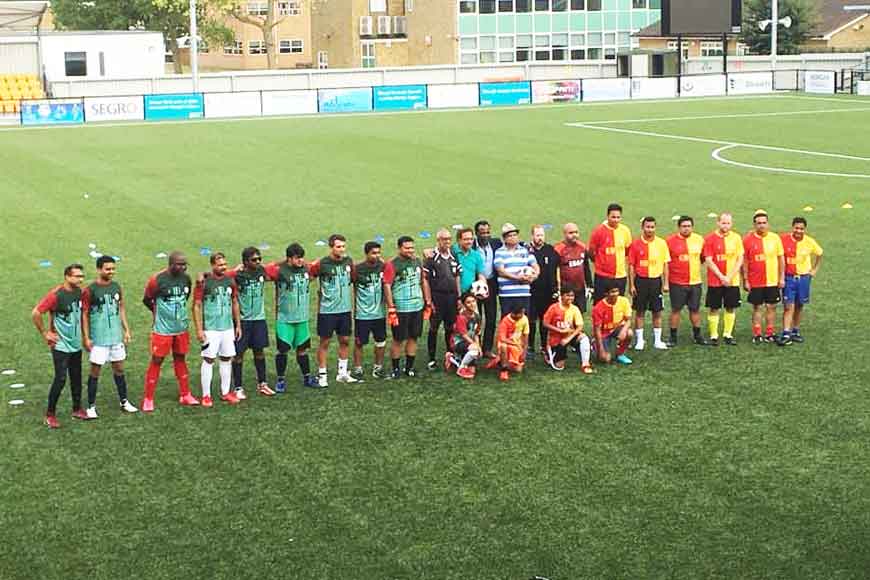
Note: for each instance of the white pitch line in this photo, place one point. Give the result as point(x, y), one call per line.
point(717, 155)
point(722, 116)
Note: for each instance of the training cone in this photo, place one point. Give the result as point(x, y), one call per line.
point(846, 205)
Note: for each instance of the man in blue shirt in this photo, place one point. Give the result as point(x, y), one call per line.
point(516, 269)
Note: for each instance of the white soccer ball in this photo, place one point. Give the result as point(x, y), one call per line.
point(480, 289)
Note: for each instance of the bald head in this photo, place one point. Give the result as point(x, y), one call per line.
point(177, 262)
point(725, 222)
point(571, 233)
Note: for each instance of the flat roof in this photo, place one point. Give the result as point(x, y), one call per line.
point(22, 15)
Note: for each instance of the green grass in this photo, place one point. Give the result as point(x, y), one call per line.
point(732, 463)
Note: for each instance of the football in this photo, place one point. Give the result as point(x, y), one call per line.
point(480, 289)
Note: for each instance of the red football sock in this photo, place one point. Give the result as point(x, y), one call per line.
point(183, 377)
point(622, 346)
point(152, 375)
point(770, 331)
point(756, 330)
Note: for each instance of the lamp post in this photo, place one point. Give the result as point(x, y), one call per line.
point(774, 23)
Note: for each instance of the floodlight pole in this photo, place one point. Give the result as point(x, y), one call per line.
point(774, 36)
point(194, 48)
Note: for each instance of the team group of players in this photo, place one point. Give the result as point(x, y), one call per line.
point(492, 296)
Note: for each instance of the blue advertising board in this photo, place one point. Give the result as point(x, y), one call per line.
point(67, 112)
point(344, 100)
point(400, 97)
point(518, 93)
point(168, 107)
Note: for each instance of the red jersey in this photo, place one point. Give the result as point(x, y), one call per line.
point(649, 258)
point(762, 259)
point(684, 269)
point(724, 251)
point(609, 249)
point(560, 317)
point(572, 264)
point(609, 316)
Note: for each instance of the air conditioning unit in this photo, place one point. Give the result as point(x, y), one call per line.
point(365, 25)
point(400, 25)
point(383, 25)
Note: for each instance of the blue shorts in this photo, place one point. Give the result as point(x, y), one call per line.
point(797, 289)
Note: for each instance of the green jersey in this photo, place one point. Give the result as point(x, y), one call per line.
point(170, 294)
point(216, 296)
point(66, 316)
point(102, 302)
point(250, 286)
point(369, 285)
point(406, 280)
point(292, 285)
point(336, 284)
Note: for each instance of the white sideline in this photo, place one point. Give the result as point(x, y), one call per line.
point(727, 145)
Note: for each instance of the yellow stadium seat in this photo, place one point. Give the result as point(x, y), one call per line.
point(9, 106)
point(5, 96)
point(15, 94)
point(32, 78)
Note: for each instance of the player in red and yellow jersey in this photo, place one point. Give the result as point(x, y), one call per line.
point(684, 277)
point(648, 280)
point(723, 254)
point(512, 341)
point(564, 322)
point(763, 274)
point(800, 269)
point(611, 321)
point(608, 249)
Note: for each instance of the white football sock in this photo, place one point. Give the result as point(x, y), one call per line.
point(206, 370)
point(225, 368)
point(342, 366)
point(585, 350)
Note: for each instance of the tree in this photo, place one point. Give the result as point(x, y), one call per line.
point(171, 17)
point(238, 10)
point(804, 18)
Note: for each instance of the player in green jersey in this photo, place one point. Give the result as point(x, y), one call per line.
point(105, 332)
point(166, 296)
point(218, 327)
point(292, 310)
point(370, 315)
point(406, 291)
point(64, 337)
point(335, 273)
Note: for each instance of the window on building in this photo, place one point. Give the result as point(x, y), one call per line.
point(542, 55)
point(623, 39)
point(76, 64)
point(289, 8)
point(542, 40)
point(469, 58)
point(487, 57)
point(522, 54)
point(377, 5)
point(487, 6)
point(202, 46)
point(559, 40)
point(487, 43)
point(505, 5)
point(560, 54)
point(610, 38)
point(233, 47)
point(578, 4)
point(523, 5)
point(711, 49)
point(506, 42)
point(468, 43)
point(505, 57)
point(258, 8)
point(409, 6)
point(638, 4)
point(578, 54)
point(593, 53)
point(610, 54)
point(742, 49)
point(560, 5)
point(291, 46)
point(672, 45)
point(593, 5)
point(256, 47)
point(368, 54)
point(322, 59)
point(468, 6)
point(524, 40)
point(593, 39)
point(542, 5)
point(578, 40)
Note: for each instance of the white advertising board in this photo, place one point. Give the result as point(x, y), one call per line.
point(99, 109)
point(703, 86)
point(750, 83)
point(289, 102)
point(820, 81)
point(606, 89)
point(863, 88)
point(653, 88)
point(232, 105)
point(448, 96)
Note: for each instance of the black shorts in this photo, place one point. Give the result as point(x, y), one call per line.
point(410, 325)
point(444, 309)
point(255, 335)
point(376, 328)
point(718, 296)
point(507, 303)
point(329, 324)
point(764, 295)
point(603, 284)
point(683, 296)
point(649, 295)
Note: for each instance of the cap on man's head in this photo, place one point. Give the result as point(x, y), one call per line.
point(509, 228)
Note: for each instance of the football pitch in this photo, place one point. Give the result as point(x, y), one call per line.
point(743, 462)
